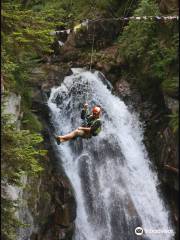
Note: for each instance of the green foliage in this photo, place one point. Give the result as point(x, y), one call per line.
point(174, 121)
point(150, 47)
point(25, 39)
point(21, 155)
point(9, 222)
point(28, 31)
point(20, 152)
point(74, 11)
point(137, 35)
point(31, 122)
point(171, 86)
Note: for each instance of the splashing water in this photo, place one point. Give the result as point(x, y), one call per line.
point(115, 187)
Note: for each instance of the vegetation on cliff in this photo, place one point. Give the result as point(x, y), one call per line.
point(151, 49)
point(21, 156)
point(25, 41)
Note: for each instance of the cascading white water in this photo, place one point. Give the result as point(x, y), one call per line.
point(115, 187)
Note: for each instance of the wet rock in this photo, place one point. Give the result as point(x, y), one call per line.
point(50, 198)
point(123, 88)
point(168, 148)
point(99, 66)
point(107, 67)
point(13, 106)
point(58, 99)
point(48, 75)
point(34, 236)
point(41, 108)
point(105, 81)
point(65, 214)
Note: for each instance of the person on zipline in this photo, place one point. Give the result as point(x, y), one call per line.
point(91, 125)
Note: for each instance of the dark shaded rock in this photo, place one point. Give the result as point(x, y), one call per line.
point(169, 6)
point(65, 214)
point(70, 55)
point(58, 99)
point(34, 236)
point(105, 81)
point(98, 30)
point(123, 88)
point(51, 199)
point(168, 148)
point(41, 108)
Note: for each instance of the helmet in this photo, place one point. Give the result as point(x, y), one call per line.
point(96, 110)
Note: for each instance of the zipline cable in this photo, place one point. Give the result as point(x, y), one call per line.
point(128, 8)
point(175, 17)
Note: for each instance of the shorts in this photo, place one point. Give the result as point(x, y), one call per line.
point(81, 133)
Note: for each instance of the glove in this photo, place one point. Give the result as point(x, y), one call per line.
point(85, 106)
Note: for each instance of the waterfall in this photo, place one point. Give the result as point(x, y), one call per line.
point(114, 183)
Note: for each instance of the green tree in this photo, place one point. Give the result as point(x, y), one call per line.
point(26, 40)
point(150, 48)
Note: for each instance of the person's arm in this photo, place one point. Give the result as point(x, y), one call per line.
point(84, 112)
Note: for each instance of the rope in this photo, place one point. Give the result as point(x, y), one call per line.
point(92, 49)
point(93, 6)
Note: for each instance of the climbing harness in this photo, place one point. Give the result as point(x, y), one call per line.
point(89, 122)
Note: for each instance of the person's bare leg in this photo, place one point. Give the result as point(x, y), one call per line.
point(68, 136)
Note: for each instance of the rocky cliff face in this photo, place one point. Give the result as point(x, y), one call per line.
point(48, 205)
point(46, 201)
point(53, 205)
